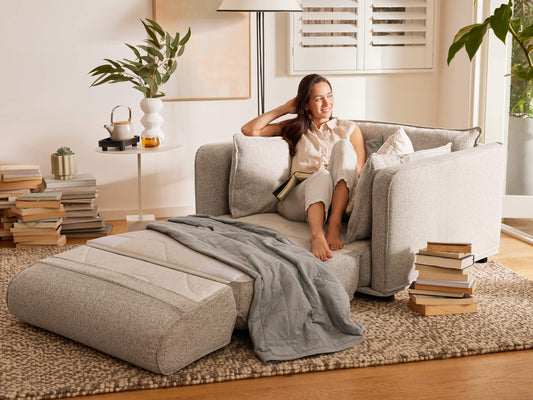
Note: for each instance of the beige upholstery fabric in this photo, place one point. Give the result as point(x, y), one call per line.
point(148, 315)
point(360, 222)
point(158, 248)
point(258, 166)
point(392, 249)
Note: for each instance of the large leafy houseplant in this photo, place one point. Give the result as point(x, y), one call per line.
point(153, 65)
point(501, 22)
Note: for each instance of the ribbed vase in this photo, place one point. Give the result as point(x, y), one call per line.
point(152, 120)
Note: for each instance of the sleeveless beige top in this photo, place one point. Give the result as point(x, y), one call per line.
point(313, 150)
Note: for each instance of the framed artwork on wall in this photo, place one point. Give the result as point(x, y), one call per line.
point(216, 63)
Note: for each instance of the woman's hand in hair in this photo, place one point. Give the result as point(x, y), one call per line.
point(292, 106)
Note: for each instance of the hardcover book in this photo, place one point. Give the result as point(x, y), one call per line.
point(285, 188)
point(444, 262)
point(450, 247)
point(443, 309)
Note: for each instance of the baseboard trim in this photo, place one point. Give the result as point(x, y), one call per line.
point(164, 212)
point(517, 233)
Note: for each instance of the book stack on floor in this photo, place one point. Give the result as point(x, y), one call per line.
point(78, 199)
point(15, 179)
point(444, 284)
point(39, 219)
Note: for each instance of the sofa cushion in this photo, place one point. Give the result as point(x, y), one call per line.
point(258, 166)
point(158, 248)
point(423, 137)
point(351, 264)
point(360, 222)
point(372, 146)
point(151, 316)
point(397, 143)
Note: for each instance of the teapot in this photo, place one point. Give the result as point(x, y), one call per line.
point(120, 130)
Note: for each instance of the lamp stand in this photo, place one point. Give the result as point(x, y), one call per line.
point(260, 18)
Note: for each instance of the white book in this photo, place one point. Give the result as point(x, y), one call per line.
point(79, 180)
point(438, 282)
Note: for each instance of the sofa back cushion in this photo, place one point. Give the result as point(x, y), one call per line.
point(423, 138)
point(258, 165)
point(360, 222)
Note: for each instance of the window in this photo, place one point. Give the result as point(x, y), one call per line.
point(350, 36)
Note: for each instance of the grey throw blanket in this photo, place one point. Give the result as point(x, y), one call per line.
point(299, 307)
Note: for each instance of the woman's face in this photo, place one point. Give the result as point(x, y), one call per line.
point(320, 103)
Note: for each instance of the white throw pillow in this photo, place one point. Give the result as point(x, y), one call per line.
point(397, 143)
point(258, 165)
point(360, 222)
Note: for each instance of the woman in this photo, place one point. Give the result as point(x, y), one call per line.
point(333, 150)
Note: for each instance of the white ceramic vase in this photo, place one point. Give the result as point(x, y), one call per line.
point(152, 119)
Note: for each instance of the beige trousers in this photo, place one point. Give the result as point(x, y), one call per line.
point(319, 186)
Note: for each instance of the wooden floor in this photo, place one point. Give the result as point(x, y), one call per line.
point(499, 376)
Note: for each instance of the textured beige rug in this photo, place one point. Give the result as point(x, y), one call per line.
point(38, 364)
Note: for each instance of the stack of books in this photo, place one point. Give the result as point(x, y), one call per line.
point(78, 199)
point(15, 179)
point(6, 223)
point(444, 284)
point(39, 219)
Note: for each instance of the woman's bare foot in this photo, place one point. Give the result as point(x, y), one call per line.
point(320, 247)
point(333, 237)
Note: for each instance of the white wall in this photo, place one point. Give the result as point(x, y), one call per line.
point(49, 47)
point(454, 81)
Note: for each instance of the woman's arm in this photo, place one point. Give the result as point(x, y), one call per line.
point(358, 143)
point(262, 126)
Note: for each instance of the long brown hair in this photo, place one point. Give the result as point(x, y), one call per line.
point(293, 129)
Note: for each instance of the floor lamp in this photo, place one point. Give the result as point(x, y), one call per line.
point(260, 7)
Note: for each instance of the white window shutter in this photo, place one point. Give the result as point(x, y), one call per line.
point(399, 34)
point(351, 36)
point(325, 36)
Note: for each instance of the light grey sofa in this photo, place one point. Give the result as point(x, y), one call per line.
point(450, 197)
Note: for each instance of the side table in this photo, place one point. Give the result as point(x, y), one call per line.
point(139, 221)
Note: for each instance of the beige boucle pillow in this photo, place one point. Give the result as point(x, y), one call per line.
point(258, 165)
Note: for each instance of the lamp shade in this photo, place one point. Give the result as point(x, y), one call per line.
point(260, 6)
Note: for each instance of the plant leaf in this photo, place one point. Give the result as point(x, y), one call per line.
point(522, 72)
point(150, 32)
point(176, 40)
point(143, 89)
point(168, 44)
point(527, 33)
point(182, 49)
point(474, 40)
point(134, 49)
point(516, 24)
point(155, 45)
point(114, 63)
point(152, 52)
point(156, 27)
point(185, 38)
point(459, 41)
point(500, 20)
point(103, 69)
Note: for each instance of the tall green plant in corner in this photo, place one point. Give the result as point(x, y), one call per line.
point(501, 22)
point(153, 65)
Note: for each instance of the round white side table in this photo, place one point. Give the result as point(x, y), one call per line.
point(139, 221)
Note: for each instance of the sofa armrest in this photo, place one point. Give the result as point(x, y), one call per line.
point(212, 166)
point(455, 197)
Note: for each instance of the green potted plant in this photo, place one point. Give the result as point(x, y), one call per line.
point(153, 65)
point(64, 165)
point(517, 20)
